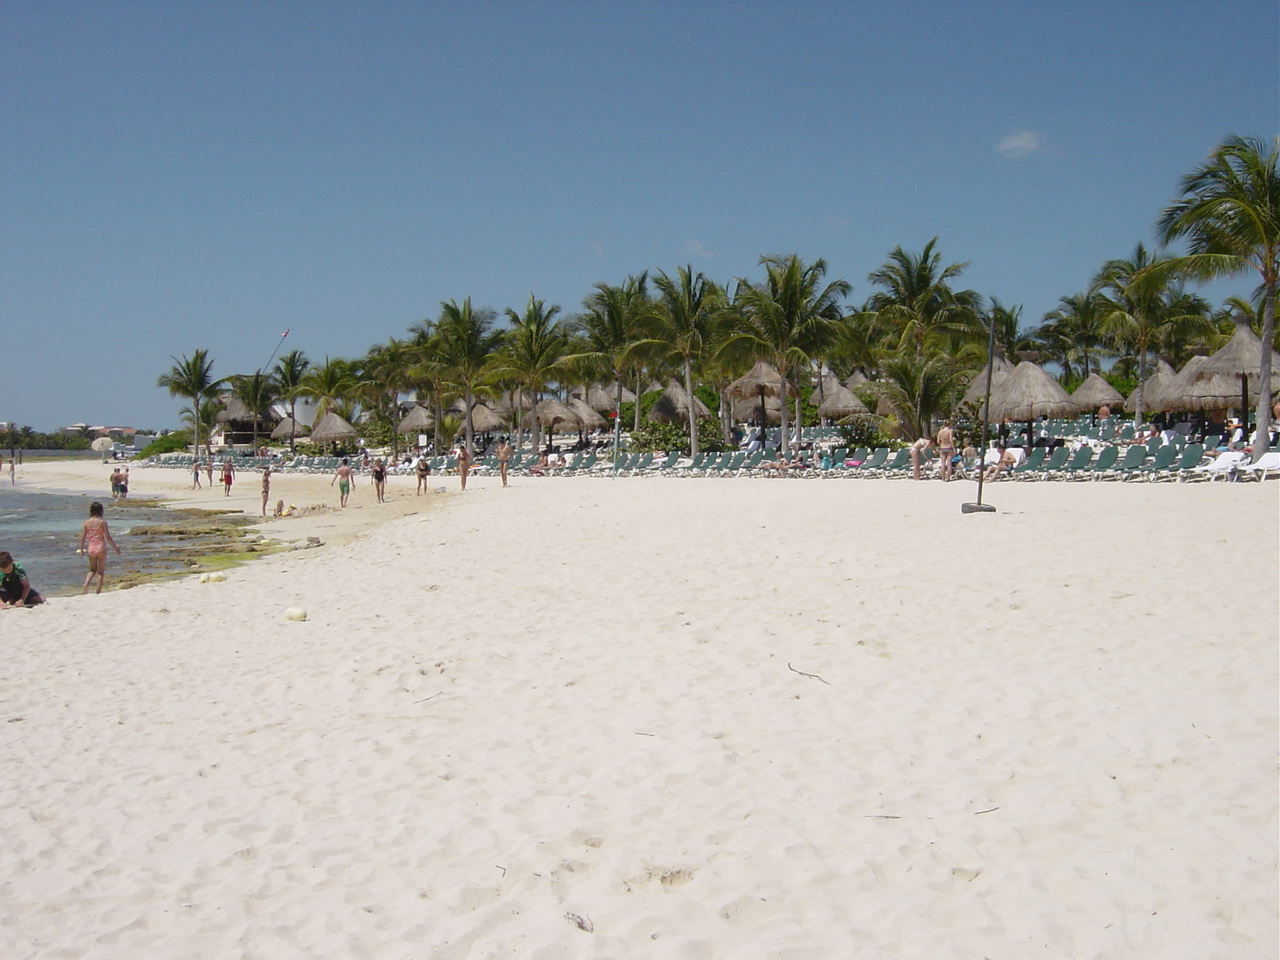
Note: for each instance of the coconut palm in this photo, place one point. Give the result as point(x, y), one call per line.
point(192, 378)
point(917, 303)
point(330, 384)
point(921, 387)
point(1071, 331)
point(1142, 308)
point(385, 372)
point(1229, 214)
point(287, 374)
point(682, 326)
point(788, 318)
point(465, 342)
point(531, 355)
point(257, 392)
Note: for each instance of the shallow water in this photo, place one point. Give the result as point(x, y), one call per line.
point(42, 531)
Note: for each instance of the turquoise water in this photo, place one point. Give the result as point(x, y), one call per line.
point(42, 531)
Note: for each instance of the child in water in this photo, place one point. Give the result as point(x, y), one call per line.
point(94, 538)
point(15, 588)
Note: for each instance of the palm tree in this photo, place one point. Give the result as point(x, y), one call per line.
point(205, 415)
point(329, 384)
point(788, 318)
point(1142, 308)
point(1072, 330)
point(257, 392)
point(531, 355)
point(385, 373)
point(920, 387)
point(288, 373)
point(683, 325)
point(1230, 215)
point(917, 301)
point(192, 378)
point(606, 330)
point(466, 341)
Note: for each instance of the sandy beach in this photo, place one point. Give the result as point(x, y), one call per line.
point(661, 718)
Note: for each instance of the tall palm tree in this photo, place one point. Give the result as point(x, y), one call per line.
point(385, 374)
point(683, 325)
point(330, 384)
point(257, 392)
point(1072, 330)
point(1229, 214)
point(288, 373)
point(192, 378)
point(918, 304)
point(531, 355)
point(1142, 307)
point(466, 341)
point(920, 387)
point(606, 331)
point(788, 318)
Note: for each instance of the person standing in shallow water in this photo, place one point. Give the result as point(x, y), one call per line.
point(94, 537)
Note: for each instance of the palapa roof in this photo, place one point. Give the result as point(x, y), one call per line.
point(416, 420)
point(1216, 391)
point(674, 405)
point(234, 410)
point(977, 391)
point(552, 413)
point(825, 384)
point(856, 379)
point(590, 419)
point(1155, 389)
point(1095, 391)
point(604, 399)
point(747, 409)
point(332, 427)
point(1030, 392)
point(288, 427)
point(761, 375)
point(1242, 355)
point(841, 402)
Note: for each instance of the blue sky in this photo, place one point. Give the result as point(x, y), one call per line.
point(176, 176)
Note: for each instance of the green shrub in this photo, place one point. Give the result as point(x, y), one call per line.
point(665, 437)
point(176, 442)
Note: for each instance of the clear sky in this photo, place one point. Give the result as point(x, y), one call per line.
point(179, 175)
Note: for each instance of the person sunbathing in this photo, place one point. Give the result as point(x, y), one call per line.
point(1005, 462)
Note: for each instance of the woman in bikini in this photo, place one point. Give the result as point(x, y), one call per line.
point(94, 537)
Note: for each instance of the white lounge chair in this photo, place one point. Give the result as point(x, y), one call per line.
point(1266, 464)
point(1222, 466)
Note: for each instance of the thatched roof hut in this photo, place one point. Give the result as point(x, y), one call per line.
point(1155, 389)
point(977, 390)
point(763, 377)
point(840, 401)
point(1030, 392)
point(332, 428)
point(553, 414)
point(674, 405)
point(1094, 392)
point(590, 419)
point(288, 428)
point(417, 420)
point(747, 410)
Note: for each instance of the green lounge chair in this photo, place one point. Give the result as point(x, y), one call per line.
point(1134, 456)
point(1051, 465)
point(1078, 462)
point(1107, 458)
point(1033, 463)
point(1162, 463)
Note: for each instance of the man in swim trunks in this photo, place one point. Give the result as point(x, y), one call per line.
point(228, 475)
point(343, 477)
point(946, 449)
point(15, 588)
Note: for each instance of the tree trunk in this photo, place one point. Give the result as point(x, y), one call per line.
point(784, 447)
point(467, 431)
point(1261, 445)
point(1142, 376)
point(693, 414)
point(636, 428)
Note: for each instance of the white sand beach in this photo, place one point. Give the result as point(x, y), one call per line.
point(661, 718)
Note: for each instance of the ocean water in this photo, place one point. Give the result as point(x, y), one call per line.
point(42, 531)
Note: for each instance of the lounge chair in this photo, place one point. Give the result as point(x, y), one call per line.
point(1033, 463)
point(1160, 464)
point(1223, 465)
point(1054, 463)
point(1265, 465)
point(1134, 457)
point(1077, 464)
point(1105, 461)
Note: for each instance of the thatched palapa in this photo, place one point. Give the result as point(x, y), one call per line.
point(1095, 392)
point(332, 428)
point(1155, 389)
point(417, 420)
point(553, 414)
point(674, 405)
point(841, 402)
point(590, 419)
point(1030, 392)
point(288, 428)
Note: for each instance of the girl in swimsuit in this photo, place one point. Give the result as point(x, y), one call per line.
point(379, 473)
point(94, 537)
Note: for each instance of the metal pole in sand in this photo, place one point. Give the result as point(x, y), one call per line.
point(981, 507)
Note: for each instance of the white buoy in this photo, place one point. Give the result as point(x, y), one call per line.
point(295, 613)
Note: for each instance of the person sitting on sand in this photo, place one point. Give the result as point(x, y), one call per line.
point(279, 512)
point(343, 477)
point(15, 588)
point(94, 537)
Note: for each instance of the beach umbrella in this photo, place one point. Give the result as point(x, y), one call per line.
point(856, 379)
point(1154, 389)
point(1217, 391)
point(1240, 359)
point(332, 428)
point(1000, 368)
point(287, 429)
point(1030, 392)
point(552, 413)
point(764, 379)
point(1094, 392)
point(826, 384)
point(604, 399)
point(840, 401)
point(674, 406)
point(747, 409)
point(417, 420)
point(103, 444)
point(590, 419)
point(486, 419)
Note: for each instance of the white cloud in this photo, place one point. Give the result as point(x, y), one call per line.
point(693, 248)
point(1020, 143)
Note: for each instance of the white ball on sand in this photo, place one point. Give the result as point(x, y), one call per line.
point(295, 613)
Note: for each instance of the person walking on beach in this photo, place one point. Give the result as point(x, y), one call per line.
point(15, 588)
point(228, 476)
point(208, 468)
point(464, 464)
point(946, 449)
point(266, 487)
point(115, 483)
point(94, 537)
point(343, 477)
point(195, 475)
point(379, 475)
point(422, 470)
point(504, 459)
